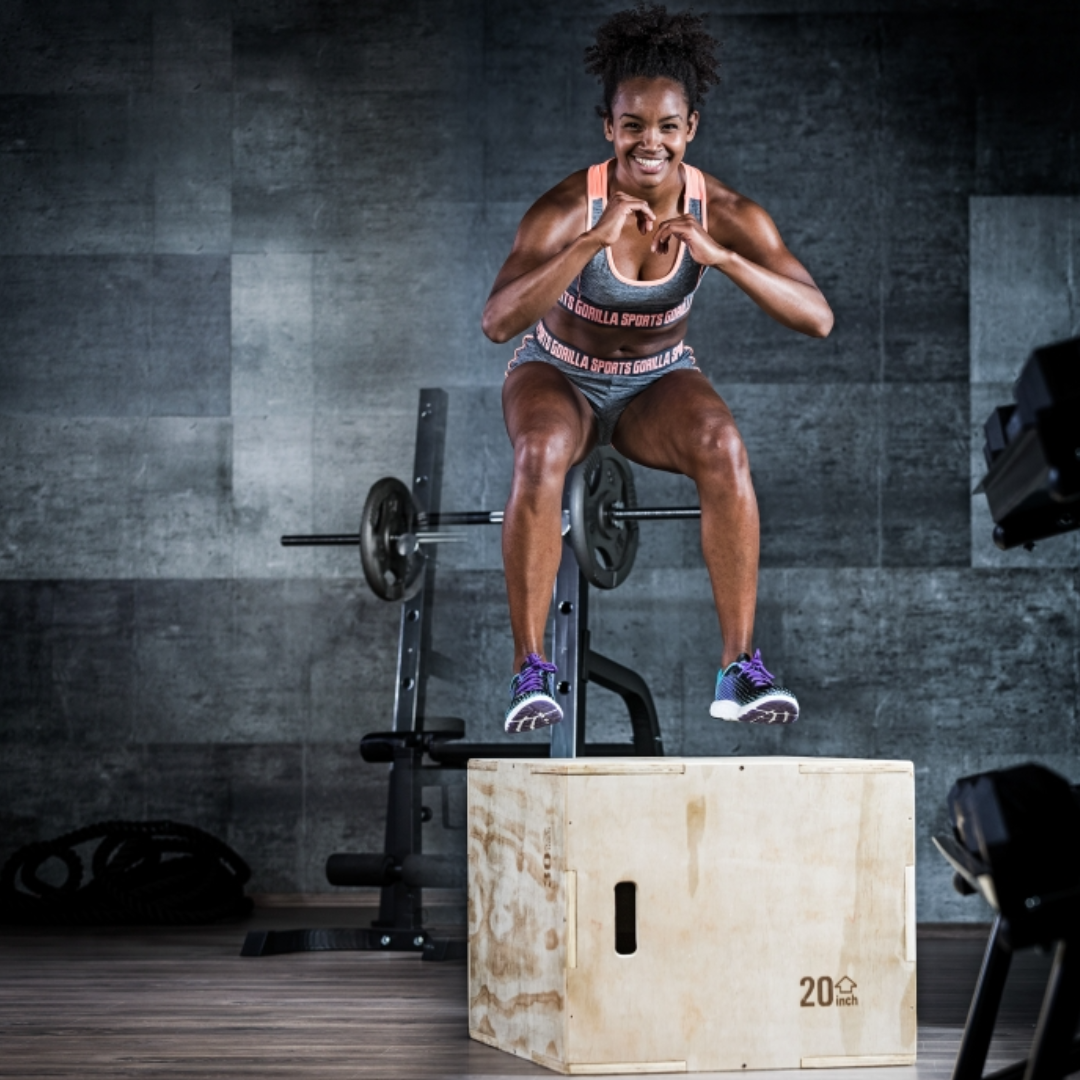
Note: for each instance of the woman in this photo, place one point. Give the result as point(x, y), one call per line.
point(604, 269)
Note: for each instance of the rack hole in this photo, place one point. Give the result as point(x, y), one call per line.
point(626, 918)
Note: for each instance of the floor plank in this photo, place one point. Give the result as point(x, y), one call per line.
point(182, 1003)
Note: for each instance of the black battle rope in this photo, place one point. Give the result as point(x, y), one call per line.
point(144, 872)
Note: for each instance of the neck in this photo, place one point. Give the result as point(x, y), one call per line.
point(664, 193)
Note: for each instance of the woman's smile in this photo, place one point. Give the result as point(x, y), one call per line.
point(650, 165)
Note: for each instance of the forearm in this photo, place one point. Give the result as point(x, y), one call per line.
point(519, 303)
point(796, 304)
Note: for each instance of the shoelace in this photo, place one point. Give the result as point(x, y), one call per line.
point(755, 670)
point(532, 674)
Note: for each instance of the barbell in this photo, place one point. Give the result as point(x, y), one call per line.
point(601, 522)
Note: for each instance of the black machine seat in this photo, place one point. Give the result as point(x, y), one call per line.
point(379, 746)
point(458, 755)
point(443, 749)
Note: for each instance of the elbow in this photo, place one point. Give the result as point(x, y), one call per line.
point(493, 329)
point(823, 324)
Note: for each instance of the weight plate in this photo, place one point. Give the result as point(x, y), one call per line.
point(605, 549)
point(392, 561)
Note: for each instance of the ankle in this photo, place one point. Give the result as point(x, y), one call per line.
point(521, 657)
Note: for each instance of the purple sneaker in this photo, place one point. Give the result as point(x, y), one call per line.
point(532, 696)
point(745, 691)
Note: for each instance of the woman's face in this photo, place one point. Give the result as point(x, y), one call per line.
point(650, 125)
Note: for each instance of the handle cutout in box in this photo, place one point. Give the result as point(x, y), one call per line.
point(626, 918)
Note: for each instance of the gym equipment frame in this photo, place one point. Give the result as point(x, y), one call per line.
point(401, 870)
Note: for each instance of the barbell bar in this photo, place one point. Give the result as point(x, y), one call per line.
point(488, 517)
point(602, 523)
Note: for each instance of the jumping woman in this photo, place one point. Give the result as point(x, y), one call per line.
point(602, 274)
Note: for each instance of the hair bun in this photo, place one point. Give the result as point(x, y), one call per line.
point(647, 41)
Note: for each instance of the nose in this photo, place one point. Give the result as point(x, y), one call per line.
point(650, 139)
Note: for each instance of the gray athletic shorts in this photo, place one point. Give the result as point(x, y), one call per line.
point(608, 385)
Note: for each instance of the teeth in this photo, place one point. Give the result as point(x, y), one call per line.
point(650, 164)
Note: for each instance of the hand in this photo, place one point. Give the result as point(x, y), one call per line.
point(703, 249)
point(620, 209)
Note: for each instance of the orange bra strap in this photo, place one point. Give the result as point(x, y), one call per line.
point(695, 189)
point(598, 182)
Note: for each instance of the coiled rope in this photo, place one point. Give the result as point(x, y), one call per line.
point(143, 873)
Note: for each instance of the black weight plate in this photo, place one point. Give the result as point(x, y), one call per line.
point(389, 513)
point(605, 549)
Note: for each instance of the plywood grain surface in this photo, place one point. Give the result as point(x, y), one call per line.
point(773, 898)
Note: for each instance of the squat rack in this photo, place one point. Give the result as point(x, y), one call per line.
point(401, 870)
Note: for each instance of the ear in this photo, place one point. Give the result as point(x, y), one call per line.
point(691, 125)
point(609, 128)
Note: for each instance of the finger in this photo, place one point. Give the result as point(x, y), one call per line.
point(674, 227)
point(681, 224)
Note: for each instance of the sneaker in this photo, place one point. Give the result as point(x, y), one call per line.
point(532, 696)
point(745, 691)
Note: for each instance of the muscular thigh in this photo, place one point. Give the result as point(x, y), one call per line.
point(665, 425)
point(540, 402)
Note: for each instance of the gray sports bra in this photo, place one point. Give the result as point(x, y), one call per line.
point(601, 295)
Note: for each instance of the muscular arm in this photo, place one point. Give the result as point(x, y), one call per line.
point(744, 243)
point(530, 283)
point(549, 251)
point(758, 261)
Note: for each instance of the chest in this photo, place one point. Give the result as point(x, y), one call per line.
point(633, 258)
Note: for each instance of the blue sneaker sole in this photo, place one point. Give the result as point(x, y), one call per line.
point(776, 710)
point(538, 712)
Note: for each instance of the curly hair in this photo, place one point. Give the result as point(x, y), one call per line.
point(646, 41)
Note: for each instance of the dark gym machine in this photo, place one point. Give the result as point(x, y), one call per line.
point(424, 751)
point(1016, 841)
point(1032, 450)
point(1016, 832)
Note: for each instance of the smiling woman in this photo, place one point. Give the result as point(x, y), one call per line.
point(602, 274)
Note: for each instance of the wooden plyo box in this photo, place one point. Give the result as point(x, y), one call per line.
point(772, 912)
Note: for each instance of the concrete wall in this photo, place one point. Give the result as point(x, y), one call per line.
point(236, 240)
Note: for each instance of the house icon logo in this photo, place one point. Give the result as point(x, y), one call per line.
point(845, 992)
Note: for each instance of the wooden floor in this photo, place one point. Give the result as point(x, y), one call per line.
point(182, 1002)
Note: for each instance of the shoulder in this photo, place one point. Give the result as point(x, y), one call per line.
point(556, 219)
point(728, 205)
point(570, 196)
point(733, 215)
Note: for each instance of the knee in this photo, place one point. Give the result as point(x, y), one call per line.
point(718, 456)
point(542, 458)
